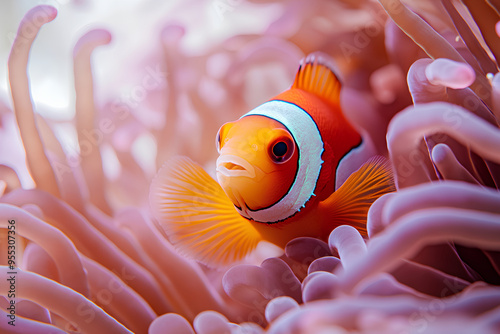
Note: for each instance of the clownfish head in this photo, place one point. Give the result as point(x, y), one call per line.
point(279, 156)
point(257, 163)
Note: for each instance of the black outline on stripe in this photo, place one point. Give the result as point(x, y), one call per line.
point(298, 162)
point(347, 153)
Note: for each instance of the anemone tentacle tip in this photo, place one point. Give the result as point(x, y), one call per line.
point(42, 14)
point(92, 39)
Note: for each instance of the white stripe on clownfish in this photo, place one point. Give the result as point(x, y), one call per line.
point(310, 145)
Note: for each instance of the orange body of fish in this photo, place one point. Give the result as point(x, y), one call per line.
point(277, 172)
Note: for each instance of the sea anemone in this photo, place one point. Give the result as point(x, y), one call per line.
point(81, 253)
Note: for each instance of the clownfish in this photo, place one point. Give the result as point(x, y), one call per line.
point(277, 172)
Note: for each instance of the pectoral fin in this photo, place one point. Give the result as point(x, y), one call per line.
point(349, 204)
point(197, 216)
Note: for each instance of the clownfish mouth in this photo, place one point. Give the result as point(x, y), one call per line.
point(233, 166)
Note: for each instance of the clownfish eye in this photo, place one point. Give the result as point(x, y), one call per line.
point(281, 150)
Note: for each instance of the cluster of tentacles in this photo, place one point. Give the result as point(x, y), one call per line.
point(431, 264)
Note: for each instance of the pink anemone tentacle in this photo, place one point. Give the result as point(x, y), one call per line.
point(63, 301)
point(412, 124)
point(86, 123)
point(53, 241)
point(39, 165)
point(413, 231)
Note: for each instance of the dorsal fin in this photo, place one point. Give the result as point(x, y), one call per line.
point(316, 76)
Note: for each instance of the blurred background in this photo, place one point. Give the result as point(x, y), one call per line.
point(135, 25)
point(136, 48)
point(175, 71)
